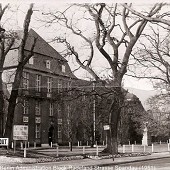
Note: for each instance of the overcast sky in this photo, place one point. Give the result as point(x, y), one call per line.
point(48, 33)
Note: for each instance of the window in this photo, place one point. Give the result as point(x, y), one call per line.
point(59, 128)
point(51, 109)
point(25, 119)
point(37, 108)
point(25, 106)
point(49, 84)
point(63, 68)
point(37, 120)
point(69, 87)
point(48, 64)
point(37, 131)
point(38, 83)
point(59, 111)
point(68, 111)
point(25, 80)
point(31, 60)
point(59, 86)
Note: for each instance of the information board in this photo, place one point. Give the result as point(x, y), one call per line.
point(106, 127)
point(20, 132)
point(4, 141)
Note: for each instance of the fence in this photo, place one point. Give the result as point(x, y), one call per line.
point(145, 148)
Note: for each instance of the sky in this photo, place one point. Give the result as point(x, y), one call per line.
point(48, 33)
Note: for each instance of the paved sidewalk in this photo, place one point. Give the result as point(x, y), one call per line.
point(86, 162)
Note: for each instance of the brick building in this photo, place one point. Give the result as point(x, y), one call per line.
point(52, 101)
point(45, 77)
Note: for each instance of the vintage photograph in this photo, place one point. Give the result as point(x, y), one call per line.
point(84, 85)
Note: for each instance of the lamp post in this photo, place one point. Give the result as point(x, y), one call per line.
point(94, 116)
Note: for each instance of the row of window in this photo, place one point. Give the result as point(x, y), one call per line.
point(47, 64)
point(38, 108)
point(49, 83)
point(38, 126)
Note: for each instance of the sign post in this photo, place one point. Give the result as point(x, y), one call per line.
point(20, 132)
point(106, 128)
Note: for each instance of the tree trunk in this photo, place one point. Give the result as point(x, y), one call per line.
point(1, 106)
point(12, 104)
point(112, 143)
point(71, 146)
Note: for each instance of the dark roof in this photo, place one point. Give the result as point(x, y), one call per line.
point(41, 47)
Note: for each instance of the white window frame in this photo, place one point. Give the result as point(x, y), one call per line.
point(49, 84)
point(31, 60)
point(38, 83)
point(37, 107)
point(63, 68)
point(59, 111)
point(25, 80)
point(68, 110)
point(60, 85)
point(25, 107)
point(48, 64)
point(37, 131)
point(37, 119)
point(51, 109)
point(25, 119)
point(59, 130)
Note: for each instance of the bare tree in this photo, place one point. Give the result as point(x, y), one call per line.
point(152, 57)
point(6, 42)
point(107, 21)
point(23, 59)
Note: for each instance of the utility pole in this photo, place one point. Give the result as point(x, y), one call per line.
point(94, 116)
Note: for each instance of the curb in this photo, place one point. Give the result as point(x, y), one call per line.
point(131, 161)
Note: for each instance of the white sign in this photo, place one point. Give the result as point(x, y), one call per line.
point(4, 141)
point(106, 127)
point(20, 132)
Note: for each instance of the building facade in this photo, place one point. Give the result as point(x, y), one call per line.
point(45, 78)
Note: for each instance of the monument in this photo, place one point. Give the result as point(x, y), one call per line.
point(145, 136)
point(145, 139)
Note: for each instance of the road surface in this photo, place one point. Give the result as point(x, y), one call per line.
point(158, 164)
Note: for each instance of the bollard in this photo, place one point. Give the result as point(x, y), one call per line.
point(28, 144)
point(87, 143)
point(132, 147)
point(144, 148)
point(34, 144)
point(69, 144)
point(160, 142)
point(12, 145)
point(25, 150)
point(123, 148)
point(168, 147)
point(97, 150)
point(51, 144)
point(78, 143)
point(57, 152)
point(152, 147)
point(21, 145)
point(25, 154)
point(83, 150)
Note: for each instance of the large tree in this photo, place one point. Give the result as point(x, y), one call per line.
point(114, 31)
point(6, 41)
point(5, 45)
